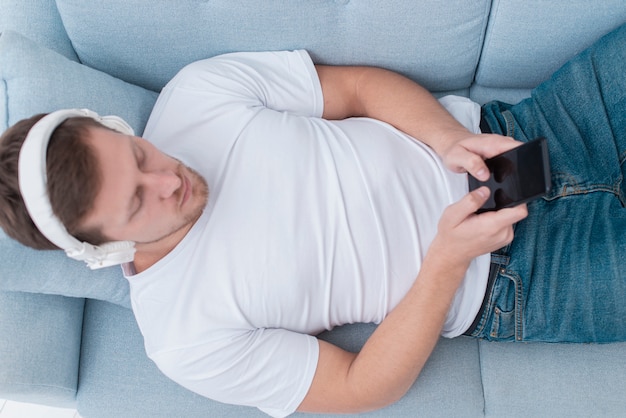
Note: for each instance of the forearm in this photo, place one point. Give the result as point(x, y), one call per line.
point(395, 354)
point(392, 98)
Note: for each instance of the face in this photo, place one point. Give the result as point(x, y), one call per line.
point(146, 196)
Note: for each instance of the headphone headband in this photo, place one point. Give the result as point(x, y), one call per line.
point(33, 180)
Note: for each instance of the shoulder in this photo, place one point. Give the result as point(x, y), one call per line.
point(239, 65)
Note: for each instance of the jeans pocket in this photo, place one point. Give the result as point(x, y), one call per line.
point(503, 325)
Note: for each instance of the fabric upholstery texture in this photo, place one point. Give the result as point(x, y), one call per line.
point(39, 21)
point(115, 372)
point(43, 349)
point(21, 271)
point(425, 45)
point(39, 80)
point(113, 56)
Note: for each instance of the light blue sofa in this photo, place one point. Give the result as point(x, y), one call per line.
point(67, 337)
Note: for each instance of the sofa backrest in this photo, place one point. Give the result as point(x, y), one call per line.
point(527, 40)
point(146, 43)
point(38, 20)
point(503, 48)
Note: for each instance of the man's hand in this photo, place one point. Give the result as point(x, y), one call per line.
point(463, 235)
point(469, 153)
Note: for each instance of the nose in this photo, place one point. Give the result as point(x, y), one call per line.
point(163, 183)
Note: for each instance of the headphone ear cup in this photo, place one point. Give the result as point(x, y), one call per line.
point(117, 124)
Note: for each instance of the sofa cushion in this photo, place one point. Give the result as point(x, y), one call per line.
point(37, 80)
point(118, 380)
point(40, 347)
point(52, 272)
point(523, 47)
point(526, 380)
point(436, 43)
point(33, 80)
point(39, 20)
point(526, 41)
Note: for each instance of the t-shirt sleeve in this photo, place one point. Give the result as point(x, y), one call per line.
point(284, 81)
point(271, 369)
point(211, 102)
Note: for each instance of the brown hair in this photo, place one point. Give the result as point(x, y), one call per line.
point(73, 181)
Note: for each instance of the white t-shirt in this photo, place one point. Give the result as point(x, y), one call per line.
point(310, 224)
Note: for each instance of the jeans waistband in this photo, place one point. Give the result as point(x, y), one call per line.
point(484, 126)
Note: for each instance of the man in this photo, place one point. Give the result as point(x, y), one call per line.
point(297, 217)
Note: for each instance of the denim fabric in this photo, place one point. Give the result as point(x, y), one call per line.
point(566, 281)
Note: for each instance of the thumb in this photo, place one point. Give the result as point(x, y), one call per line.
point(476, 166)
point(476, 198)
point(468, 205)
point(466, 160)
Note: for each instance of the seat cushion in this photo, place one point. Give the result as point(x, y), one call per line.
point(117, 379)
point(579, 380)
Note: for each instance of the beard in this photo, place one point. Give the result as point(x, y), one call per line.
point(200, 194)
point(196, 204)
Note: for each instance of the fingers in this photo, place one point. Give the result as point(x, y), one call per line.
point(458, 213)
point(476, 166)
point(461, 160)
point(468, 205)
point(468, 155)
point(467, 235)
point(514, 214)
point(498, 226)
point(490, 145)
point(473, 201)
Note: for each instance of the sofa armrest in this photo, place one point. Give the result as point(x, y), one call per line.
point(40, 347)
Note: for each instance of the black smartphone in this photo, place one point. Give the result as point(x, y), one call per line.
point(517, 176)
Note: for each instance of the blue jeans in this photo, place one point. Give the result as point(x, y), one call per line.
point(564, 279)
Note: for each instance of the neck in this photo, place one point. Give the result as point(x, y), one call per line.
point(149, 254)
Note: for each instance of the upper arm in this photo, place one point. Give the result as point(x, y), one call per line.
point(339, 88)
point(330, 391)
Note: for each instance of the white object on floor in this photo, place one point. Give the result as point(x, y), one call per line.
point(12, 409)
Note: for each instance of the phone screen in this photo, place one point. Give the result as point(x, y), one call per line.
point(517, 176)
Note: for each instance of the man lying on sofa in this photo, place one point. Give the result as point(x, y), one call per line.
point(274, 199)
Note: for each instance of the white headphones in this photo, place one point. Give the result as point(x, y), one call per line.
point(33, 186)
